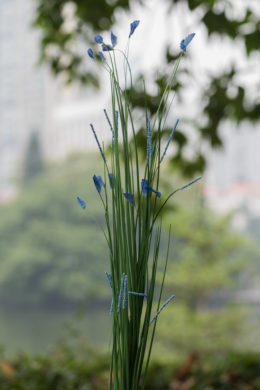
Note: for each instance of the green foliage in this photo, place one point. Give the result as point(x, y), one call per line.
point(218, 19)
point(51, 250)
point(78, 367)
point(208, 264)
point(69, 366)
point(229, 372)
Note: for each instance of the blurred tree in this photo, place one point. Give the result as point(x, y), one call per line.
point(208, 264)
point(33, 163)
point(225, 96)
point(51, 250)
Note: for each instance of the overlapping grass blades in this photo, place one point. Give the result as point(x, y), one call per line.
point(133, 236)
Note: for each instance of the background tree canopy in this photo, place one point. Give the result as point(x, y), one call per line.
point(225, 97)
point(53, 252)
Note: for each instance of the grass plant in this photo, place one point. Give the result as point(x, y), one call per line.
point(129, 192)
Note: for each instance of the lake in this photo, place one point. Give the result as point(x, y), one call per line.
point(36, 331)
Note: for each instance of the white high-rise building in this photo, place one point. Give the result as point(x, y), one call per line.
point(232, 181)
point(22, 89)
point(31, 101)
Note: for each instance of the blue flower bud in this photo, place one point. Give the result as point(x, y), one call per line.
point(82, 203)
point(91, 54)
point(98, 183)
point(130, 199)
point(112, 180)
point(101, 181)
point(186, 41)
point(101, 55)
point(145, 188)
point(113, 39)
point(106, 47)
point(133, 26)
point(98, 39)
point(109, 279)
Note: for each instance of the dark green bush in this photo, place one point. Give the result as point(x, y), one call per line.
point(71, 367)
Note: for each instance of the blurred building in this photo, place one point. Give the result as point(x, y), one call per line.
point(22, 90)
point(72, 114)
point(233, 175)
point(31, 101)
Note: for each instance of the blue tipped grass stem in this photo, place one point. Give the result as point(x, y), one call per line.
point(131, 212)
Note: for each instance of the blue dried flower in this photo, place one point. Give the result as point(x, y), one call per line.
point(101, 181)
point(130, 198)
point(98, 39)
point(190, 183)
point(133, 26)
point(112, 180)
point(98, 183)
point(146, 188)
point(186, 41)
point(162, 307)
point(91, 53)
point(110, 125)
point(106, 47)
point(101, 55)
point(108, 120)
point(99, 147)
point(169, 140)
point(82, 203)
point(109, 279)
point(113, 39)
point(137, 293)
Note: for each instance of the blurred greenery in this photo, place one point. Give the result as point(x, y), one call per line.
point(209, 265)
point(225, 96)
point(75, 366)
point(53, 254)
point(51, 250)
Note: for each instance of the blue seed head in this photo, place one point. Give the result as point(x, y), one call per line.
point(82, 203)
point(101, 55)
point(91, 54)
point(130, 199)
point(186, 41)
point(98, 183)
point(106, 47)
point(98, 39)
point(113, 39)
point(133, 26)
